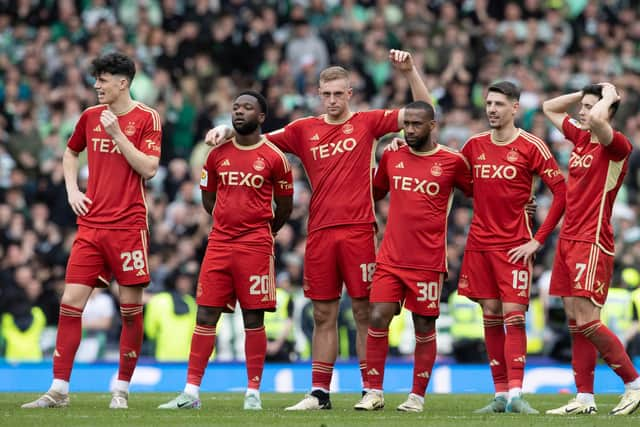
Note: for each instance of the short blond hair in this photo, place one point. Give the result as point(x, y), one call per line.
point(334, 73)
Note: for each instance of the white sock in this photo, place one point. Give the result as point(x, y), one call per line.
point(122, 386)
point(376, 390)
point(633, 385)
point(320, 388)
point(502, 394)
point(515, 392)
point(252, 391)
point(586, 398)
point(60, 386)
point(417, 396)
point(193, 390)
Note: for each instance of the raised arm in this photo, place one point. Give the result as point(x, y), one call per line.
point(556, 108)
point(403, 62)
point(598, 117)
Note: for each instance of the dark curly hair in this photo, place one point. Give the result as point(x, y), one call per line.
point(596, 89)
point(114, 63)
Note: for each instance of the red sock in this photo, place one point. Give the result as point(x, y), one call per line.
point(377, 349)
point(494, 339)
point(583, 359)
point(67, 341)
point(321, 374)
point(202, 342)
point(611, 349)
point(255, 350)
point(515, 347)
point(363, 375)
point(424, 357)
point(130, 339)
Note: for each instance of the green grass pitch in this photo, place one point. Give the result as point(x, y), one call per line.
point(225, 409)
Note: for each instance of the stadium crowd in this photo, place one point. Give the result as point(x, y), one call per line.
point(192, 57)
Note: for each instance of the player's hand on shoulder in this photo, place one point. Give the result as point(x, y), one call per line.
point(401, 59)
point(218, 135)
point(110, 122)
point(395, 144)
point(79, 202)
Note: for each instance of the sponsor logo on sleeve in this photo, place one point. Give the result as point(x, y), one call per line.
point(204, 178)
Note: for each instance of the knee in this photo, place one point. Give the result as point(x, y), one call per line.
point(491, 307)
point(253, 319)
point(324, 318)
point(207, 316)
point(361, 312)
point(378, 318)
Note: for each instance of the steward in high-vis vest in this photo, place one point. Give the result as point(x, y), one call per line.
point(279, 327)
point(467, 331)
point(21, 335)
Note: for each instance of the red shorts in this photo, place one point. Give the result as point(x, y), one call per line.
point(581, 269)
point(490, 275)
point(337, 255)
point(420, 289)
point(233, 272)
point(98, 252)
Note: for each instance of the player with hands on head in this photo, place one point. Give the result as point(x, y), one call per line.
point(583, 265)
point(240, 181)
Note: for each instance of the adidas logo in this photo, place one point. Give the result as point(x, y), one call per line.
point(131, 355)
point(256, 379)
point(315, 138)
point(520, 359)
point(522, 293)
point(400, 165)
point(373, 371)
point(56, 353)
point(424, 374)
point(577, 286)
point(494, 362)
point(141, 273)
point(265, 298)
point(226, 162)
point(97, 129)
point(432, 305)
point(481, 157)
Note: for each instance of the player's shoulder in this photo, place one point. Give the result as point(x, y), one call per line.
point(151, 113)
point(452, 153)
point(94, 110)
point(275, 153)
point(535, 143)
point(306, 121)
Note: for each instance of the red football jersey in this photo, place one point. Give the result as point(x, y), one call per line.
point(245, 179)
point(116, 189)
point(339, 161)
point(596, 173)
point(502, 185)
point(421, 190)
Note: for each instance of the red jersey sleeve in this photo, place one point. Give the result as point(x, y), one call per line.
point(619, 148)
point(463, 179)
point(285, 138)
point(381, 179)
point(152, 135)
point(546, 167)
point(383, 121)
point(78, 140)
point(208, 179)
point(282, 177)
point(571, 130)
